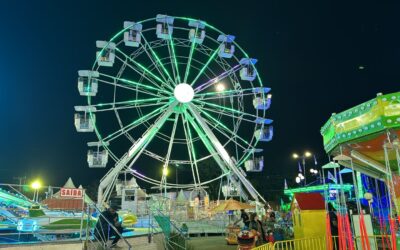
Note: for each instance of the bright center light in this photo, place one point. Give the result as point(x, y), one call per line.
point(298, 179)
point(295, 156)
point(165, 171)
point(220, 87)
point(307, 154)
point(36, 185)
point(183, 92)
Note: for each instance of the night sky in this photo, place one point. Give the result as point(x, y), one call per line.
point(318, 58)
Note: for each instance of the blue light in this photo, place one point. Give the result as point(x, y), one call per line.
point(27, 225)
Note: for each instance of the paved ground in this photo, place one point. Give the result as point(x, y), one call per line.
point(211, 243)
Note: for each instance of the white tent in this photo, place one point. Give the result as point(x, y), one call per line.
point(70, 184)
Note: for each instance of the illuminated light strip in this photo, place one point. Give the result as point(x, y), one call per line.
point(158, 60)
point(144, 69)
point(205, 66)
point(175, 59)
point(345, 187)
point(190, 57)
point(135, 83)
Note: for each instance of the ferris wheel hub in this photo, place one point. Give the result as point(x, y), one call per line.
point(183, 92)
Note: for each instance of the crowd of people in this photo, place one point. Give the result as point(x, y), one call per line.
point(273, 226)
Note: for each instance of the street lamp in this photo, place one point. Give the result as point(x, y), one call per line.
point(165, 173)
point(36, 185)
point(303, 157)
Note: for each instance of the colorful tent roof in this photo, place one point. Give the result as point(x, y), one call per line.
point(232, 204)
point(310, 201)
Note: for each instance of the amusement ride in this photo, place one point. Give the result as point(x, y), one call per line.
point(174, 91)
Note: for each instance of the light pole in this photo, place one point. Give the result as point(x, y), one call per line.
point(165, 172)
point(36, 185)
point(303, 157)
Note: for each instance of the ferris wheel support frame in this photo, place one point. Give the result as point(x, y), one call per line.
point(224, 161)
point(132, 154)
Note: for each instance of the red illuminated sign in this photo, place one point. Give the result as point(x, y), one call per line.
point(71, 192)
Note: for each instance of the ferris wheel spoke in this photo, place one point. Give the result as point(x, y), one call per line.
point(130, 102)
point(226, 93)
point(137, 84)
point(156, 66)
point(224, 96)
point(230, 115)
point(233, 134)
point(218, 78)
point(193, 152)
point(171, 143)
point(157, 59)
point(134, 152)
point(143, 70)
point(230, 137)
point(223, 154)
point(135, 123)
point(132, 106)
point(210, 59)
point(227, 109)
point(126, 87)
point(171, 47)
point(190, 58)
point(189, 149)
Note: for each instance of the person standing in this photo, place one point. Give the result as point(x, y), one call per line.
point(245, 218)
point(333, 221)
point(256, 225)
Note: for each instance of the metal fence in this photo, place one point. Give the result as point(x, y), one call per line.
point(375, 242)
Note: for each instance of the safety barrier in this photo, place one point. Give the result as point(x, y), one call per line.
point(375, 242)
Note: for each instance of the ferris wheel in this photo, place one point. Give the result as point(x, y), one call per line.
point(174, 91)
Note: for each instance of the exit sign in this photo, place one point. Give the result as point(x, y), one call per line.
point(71, 192)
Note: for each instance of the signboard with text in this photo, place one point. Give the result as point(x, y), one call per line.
point(71, 192)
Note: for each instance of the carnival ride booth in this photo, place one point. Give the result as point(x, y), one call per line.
point(133, 198)
point(69, 198)
point(232, 230)
point(308, 214)
point(365, 139)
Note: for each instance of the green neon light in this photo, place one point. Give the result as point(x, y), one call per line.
point(360, 189)
point(319, 188)
point(135, 83)
point(190, 58)
point(225, 92)
point(175, 59)
point(225, 108)
point(205, 66)
point(158, 60)
point(141, 66)
point(138, 121)
point(202, 136)
point(223, 126)
point(139, 101)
